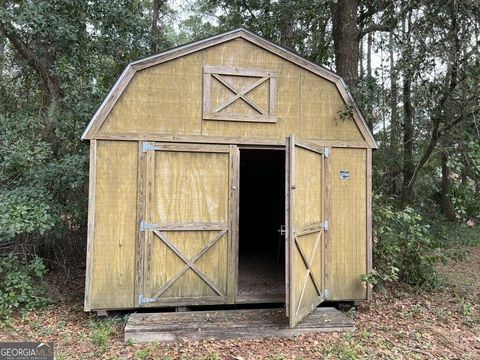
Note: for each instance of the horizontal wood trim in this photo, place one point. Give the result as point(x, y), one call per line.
point(261, 118)
point(194, 226)
point(225, 70)
point(188, 301)
point(205, 139)
point(191, 147)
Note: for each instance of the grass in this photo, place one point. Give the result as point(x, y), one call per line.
point(101, 332)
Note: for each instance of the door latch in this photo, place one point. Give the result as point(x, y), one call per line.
point(282, 230)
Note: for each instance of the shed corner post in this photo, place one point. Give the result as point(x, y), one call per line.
point(90, 224)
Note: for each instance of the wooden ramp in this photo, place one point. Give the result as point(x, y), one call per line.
point(230, 324)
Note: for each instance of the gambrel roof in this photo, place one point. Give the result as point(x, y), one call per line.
point(124, 79)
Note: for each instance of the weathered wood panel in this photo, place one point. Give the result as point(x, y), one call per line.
point(305, 234)
point(320, 103)
point(164, 99)
point(230, 324)
point(347, 248)
point(187, 252)
point(113, 250)
point(167, 99)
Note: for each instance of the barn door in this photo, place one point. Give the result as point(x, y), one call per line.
point(306, 224)
point(187, 227)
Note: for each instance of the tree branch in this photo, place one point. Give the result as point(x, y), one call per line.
point(373, 28)
point(50, 82)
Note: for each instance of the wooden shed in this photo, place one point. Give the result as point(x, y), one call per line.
point(222, 173)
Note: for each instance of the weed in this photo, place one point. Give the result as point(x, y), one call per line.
point(101, 331)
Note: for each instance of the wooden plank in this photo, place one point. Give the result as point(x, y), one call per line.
point(309, 145)
point(113, 263)
point(309, 229)
point(140, 235)
point(234, 214)
point(273, 96)
point(189, 226)
point(288, 219)
point(228, 70)
point(369, 219)
point(229, 324)
point(235, 140)
point(207, 97)
point(149, 199)
point(91, 223)
point(262, 118)
point(327, 256)
point(191, 148)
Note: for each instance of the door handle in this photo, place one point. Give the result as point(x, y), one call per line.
point(282, 230)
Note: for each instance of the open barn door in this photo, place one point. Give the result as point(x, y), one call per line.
point(305, 228)
point(186, 231)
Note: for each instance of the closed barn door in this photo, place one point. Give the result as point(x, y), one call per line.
point(305, 218)
point(186, 228)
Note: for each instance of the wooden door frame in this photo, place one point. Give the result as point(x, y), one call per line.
point(236, 243)
point(145, 162)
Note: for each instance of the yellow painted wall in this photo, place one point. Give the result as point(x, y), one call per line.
point(113, 260)
point(167, 99)
point(346, 253)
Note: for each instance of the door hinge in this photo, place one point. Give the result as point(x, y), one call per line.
point(325, 225)
point(149, 146)
point(326, 152)
point(145, 300)
point(326, 294)
point(146, 226)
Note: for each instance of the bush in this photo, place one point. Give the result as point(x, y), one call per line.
point(19, 285)
point(404, 248)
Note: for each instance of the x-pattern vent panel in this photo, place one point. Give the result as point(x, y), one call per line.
point(235, 94)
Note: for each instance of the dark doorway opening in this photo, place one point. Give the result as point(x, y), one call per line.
point(261, 255)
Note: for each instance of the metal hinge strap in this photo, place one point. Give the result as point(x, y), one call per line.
point(325, 225)
point(326, 294)
point(149, 146)
point(145, 300)
point(146, 226)
point(326, 152)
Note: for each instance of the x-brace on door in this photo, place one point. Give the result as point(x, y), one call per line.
point(186, 231)
point(305, 218)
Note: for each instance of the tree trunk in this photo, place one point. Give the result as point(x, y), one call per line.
point(394, 171)
point(446, 203)
point(157, 34)
point(408, 140)
point(345, 34)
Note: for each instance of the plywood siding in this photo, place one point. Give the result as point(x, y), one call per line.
point(188, 189)
point(167, 99)
point(113, 250)
point(347, 237)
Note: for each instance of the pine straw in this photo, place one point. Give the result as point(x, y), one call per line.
point(399, 323)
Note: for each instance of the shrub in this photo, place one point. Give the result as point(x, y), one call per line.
point(404, 248)
point(19, 285)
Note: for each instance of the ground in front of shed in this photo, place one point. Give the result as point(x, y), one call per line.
point(399, 323)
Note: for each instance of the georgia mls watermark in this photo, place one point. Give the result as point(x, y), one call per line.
point(26, 351)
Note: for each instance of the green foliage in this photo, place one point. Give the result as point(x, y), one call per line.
point(404, 248)
point(19, 285)
point(101, 333)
